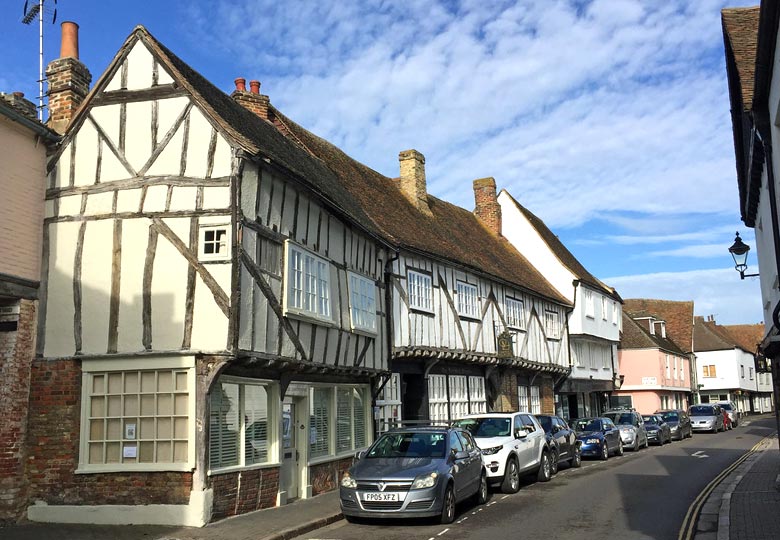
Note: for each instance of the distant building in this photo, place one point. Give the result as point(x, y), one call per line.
point(656, 371)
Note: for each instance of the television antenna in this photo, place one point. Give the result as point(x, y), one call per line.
point(31, 12)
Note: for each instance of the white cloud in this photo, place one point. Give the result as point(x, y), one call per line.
point(717, 292)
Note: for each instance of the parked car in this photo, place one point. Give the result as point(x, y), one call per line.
point(732, 410)
point(658, 431)
point(599, 437)
point(706, 417)
point(562, 439)
point(679, 423)
point(414, 472)
point(512, 444)
point(632, 428)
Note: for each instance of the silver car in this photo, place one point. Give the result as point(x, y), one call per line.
point(414, 472)
point(706, 417)
point(632, 428)
point(731, 410)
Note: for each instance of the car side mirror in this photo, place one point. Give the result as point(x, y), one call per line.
point(461, 455)
point(520, 434)
point(360, 455)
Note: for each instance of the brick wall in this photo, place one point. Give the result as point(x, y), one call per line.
point(548, 396)
point(68, 86)
point(244, 491)
point(16, 354)
point(507, 400)
point(53, 442)
point(487, 208)
point(326, 476)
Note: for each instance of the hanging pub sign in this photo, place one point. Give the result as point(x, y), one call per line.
point(504, 345)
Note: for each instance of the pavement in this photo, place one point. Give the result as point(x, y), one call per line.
point(745, 504)
point(742, 504)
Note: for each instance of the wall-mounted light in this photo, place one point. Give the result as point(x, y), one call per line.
point(739, 251)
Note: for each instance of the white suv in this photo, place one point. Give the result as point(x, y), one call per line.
point(512, 444)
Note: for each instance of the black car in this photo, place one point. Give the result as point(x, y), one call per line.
point(679, 423)
point(658, 431)
point(562, 439)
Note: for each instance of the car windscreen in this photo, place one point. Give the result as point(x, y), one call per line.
point(409, 445)
point(546, 423)
point(587, 424)
point(726, 406)
point(702, 410)
point(486, 426)
point(621, 418)
point(670, 417)
point(650, 420)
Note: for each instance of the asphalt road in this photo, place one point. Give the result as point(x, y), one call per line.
point(642, 495)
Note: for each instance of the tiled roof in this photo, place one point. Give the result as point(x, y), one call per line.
point(365, 196)
point(740, 26)
point(562, 252)
point(709, 336)
point(747, 336)
point(678, 316)
point(636, 336)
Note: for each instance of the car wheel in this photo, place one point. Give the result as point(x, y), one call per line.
point(605, 452)
point(511, 483)
point(636, 445)
point(448, 506)
point(576, 461)
point(482, 492)
point(554, 463)
point(647, 442)
point(545, 468)
point(620, 451)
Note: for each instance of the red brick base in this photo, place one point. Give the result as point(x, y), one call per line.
point(244, 491)
point(326, 476)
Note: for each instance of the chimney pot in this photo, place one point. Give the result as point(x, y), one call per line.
point(18, 95)
point(70, 40)
point(487, 208)
point(254, 87)
point(240, 84)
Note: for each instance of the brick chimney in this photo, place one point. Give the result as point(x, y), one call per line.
point(487, 208)
point(412, 180)
point(252, 100)
point(68, 78)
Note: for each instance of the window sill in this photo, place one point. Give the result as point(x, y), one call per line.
point(238, 468)
point(468, 317)
point(336, 457)
point(134, 468)
point(364, 332)
point(422, 311)
point(310, 318)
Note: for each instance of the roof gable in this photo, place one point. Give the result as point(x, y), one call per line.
point(678, 316)
point(636, 336)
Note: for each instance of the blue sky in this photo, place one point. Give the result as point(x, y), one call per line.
point(608, 119)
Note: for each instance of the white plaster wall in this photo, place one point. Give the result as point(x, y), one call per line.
point(155, 199)
point(726, 369)
point(746, 360)
point(223, 159)
point(96, 285)
point(86, 155)
point(517, 229)
point(198, 145)
point(139, 67)
point(107, 117)
point(169, 289)
point(183, 198)
point(99, 203)
point(135, 236)
point(580, 323)
point(169, 161)
point(209, 325)
point(138, 142)
point(62, 172)
point(216, 197)
point(59, 315)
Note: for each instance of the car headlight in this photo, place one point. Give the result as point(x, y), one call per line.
point(493, 450)
point(627, 429)
point(425, 481)
point(348, 481)
point(674, 428)
point(592, 441)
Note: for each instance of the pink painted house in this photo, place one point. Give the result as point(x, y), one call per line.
point(656, 372)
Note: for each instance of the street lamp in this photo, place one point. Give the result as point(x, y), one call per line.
point(739, 251)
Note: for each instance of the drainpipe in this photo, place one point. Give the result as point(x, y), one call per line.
point(388, 273)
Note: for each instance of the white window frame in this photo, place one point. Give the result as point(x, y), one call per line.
point(523, 404)
point(389, 404)
point(419, 290)
point(668, 368)
point(332, 422)
point(590, 308)
point(362, 303)
point(467, 299)
point(90, 368)
point(272, 434)
point(459, 396)
point(604, 308)
point(535, 399)
point(682, 369)
point(614, 313)
point(552, 326)
point(314, 286)
point(477, 397)
point(514, 311)
point(225, 242)
point(438, 411)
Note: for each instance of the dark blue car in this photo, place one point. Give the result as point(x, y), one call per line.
point(598, 436)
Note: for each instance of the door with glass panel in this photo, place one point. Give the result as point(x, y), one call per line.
point(291, 426)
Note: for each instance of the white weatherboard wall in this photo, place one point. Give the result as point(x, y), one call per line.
point(727, 370)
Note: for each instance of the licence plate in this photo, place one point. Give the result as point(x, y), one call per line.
point(383, 497)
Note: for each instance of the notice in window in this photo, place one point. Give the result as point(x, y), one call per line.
point(129, 451)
